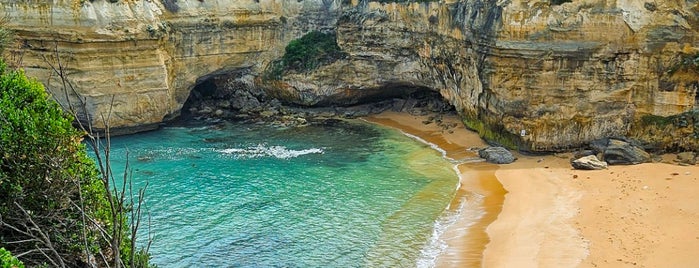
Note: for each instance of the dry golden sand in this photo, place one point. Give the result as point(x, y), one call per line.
point(539, 212)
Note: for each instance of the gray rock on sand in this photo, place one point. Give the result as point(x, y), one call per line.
point(497, 155)
point(589, 162)
point(686, 158)
point(619, 152)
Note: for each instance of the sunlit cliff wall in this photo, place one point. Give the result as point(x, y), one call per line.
point(562, 74)
point(140, 59)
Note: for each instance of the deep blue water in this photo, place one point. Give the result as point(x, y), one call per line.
point(346, 194)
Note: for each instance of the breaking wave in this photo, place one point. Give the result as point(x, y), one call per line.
point(260, 150)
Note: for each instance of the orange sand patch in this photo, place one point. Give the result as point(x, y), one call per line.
point(554, 216)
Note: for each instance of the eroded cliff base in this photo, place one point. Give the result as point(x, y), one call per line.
point(236, 97)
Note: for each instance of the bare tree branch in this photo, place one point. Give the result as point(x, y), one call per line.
point(116, 198)
point(43, 238)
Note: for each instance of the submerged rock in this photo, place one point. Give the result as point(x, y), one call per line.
point(497, 155)
point(589, 162)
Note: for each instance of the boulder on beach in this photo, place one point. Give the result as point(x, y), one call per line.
point(497, 155)
point(686, 158)
point(620, 152)
point(589, 162)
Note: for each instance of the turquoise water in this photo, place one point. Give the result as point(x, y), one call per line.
point(344, 194)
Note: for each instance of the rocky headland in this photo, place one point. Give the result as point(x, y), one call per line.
point(539, 76)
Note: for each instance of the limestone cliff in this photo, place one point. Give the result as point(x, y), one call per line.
point(135, 61)
point(561, 74)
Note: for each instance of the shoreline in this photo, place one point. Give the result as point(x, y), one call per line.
point(478, 197)
point(550, 215)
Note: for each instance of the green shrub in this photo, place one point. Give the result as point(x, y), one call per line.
point(49, 187)
point(9, 261)
point(311, 51)
point(41, 163)
point(304, 54)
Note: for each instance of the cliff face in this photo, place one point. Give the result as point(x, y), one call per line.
point(528, 74)
point(562, 74)
point(135, 62)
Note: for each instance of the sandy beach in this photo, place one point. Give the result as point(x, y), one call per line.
point(539, 212)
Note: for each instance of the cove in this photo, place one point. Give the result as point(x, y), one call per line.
point(336, 194)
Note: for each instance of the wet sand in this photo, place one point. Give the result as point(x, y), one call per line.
point(539, 212)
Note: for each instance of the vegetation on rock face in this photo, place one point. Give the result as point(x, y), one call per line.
point(498, 136)
point(54, 206)
point(307, 53)
point(656, 120)
point(686, 63)
point(678, 132)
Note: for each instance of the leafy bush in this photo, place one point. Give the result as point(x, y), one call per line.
point(44, 170)
point(9, 261)
point(310, 51)
point(53, 202)
point(306, 53)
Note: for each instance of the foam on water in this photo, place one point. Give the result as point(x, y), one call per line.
point(261, 150)
point(432, 145)
point(467, 211)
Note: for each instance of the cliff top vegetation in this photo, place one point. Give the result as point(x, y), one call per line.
point(307, 53)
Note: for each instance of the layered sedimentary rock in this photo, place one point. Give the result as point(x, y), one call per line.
point(135, 62)
point(529, 74)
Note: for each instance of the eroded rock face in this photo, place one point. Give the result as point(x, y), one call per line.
point(561, 75)
point(623, 153)
point(140, 59)
point(526, 74)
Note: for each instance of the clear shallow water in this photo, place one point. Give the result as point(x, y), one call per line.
point(240, 195)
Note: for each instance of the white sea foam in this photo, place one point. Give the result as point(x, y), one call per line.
point(469, 210)
point(437, 245)
point(261, 150)
point(432, 145)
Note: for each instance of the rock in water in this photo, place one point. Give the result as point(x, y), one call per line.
point(497, 155)
point(623, 153)
point(589, 162)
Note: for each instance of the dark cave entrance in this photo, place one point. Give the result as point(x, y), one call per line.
point(415, 100)
point(229, 95)
point(234, 96)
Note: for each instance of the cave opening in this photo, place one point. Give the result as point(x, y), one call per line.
point(225, 96)
point(234, 96)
